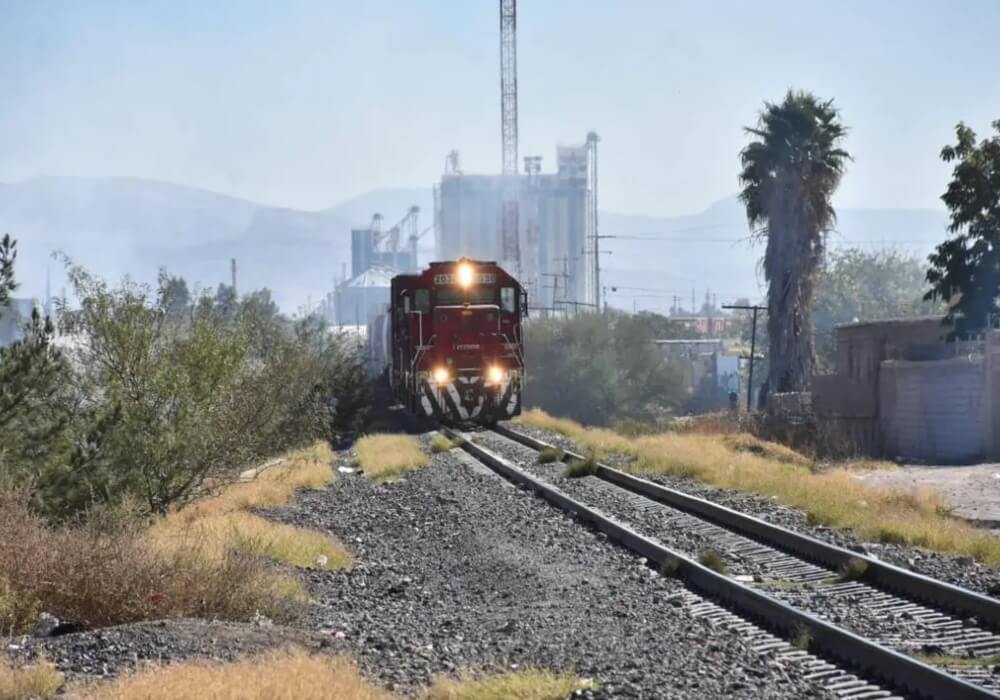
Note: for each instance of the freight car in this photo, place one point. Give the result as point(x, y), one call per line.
point(454, 341)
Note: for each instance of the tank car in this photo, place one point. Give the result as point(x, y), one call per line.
point(455, 342)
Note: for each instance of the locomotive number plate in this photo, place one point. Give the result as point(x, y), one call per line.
point(480, 278)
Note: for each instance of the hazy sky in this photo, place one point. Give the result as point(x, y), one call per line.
point(307, 103)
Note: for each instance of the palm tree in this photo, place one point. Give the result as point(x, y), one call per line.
point(791, 169)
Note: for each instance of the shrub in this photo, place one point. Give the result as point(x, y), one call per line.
point(581, 467)
point(279, 675)
point(440, 443)
point(711, 559)
point(549, 455)
point(853, 569)
point(98, 576)
point(531, 684)
point(387, 456)
point(157, 399)
point(24, 681)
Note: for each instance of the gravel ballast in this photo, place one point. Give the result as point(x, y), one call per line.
point(456, 569)
point(959, 570)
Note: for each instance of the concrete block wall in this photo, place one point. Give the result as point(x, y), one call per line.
point(934, 412)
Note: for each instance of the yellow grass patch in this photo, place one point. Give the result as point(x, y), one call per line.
point(221, 523)
point(28, 681)
point(386, 456)
point(281, 675)
point(523, 685)
point(833, 497)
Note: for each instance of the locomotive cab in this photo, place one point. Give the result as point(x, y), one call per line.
point(457, 351)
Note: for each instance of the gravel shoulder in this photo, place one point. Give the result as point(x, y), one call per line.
point(456, 569)
point(961, 571)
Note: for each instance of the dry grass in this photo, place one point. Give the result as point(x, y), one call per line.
point(222, 525)
point(205, 560)
point(97, 578)
point(531, 684)
point(386, 456)
point(295, 674)
point(833, 497)
point(20, 682)
point(281, 675)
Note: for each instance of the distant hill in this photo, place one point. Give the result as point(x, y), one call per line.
point(118, 226)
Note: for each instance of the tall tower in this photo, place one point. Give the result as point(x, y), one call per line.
point(509, 244)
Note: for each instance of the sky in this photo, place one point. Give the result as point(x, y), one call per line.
point(306, 103)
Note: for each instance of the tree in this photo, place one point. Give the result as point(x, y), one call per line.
point(8, 254)
point(790, 171)
point(965, 269)
point(601, 368)
point(858, 285)
point(175, 297)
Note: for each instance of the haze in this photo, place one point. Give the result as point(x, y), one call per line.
point(302, 104)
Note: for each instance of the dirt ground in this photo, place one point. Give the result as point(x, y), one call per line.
point(973, 491)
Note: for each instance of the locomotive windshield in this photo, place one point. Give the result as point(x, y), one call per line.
point(455, 296)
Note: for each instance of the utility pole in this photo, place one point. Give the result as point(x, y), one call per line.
point(753, 346)
point(232, 271)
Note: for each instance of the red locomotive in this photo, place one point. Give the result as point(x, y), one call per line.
point(454, 342)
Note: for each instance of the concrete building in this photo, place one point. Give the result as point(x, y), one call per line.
point(555, 224)
point(360, 298)
point(900, 391)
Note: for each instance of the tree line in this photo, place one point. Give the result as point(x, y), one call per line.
point(149, 396)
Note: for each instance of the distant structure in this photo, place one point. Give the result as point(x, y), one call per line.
point(555, 224)
point(377, 255)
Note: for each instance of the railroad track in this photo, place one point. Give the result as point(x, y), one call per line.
point(883, 623)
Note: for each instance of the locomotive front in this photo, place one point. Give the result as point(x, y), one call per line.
point(459, 341)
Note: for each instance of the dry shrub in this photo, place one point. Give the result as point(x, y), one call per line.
point(387, 456)
point(833, 497)
point(240, 531)
point(98, 577)
point(531, 684)
point(279, 675)
point(743, 442)
point(20, 682)
point(222, 525)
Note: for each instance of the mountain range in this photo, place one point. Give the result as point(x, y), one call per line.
point(130, 226)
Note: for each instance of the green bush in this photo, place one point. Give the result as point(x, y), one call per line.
point(159, 395)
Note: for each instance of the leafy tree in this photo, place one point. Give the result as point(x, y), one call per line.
point(965, 269)
point(600, 368)
point(8, 254)
point(175, 295)
point(857, 285)
point(790, 171)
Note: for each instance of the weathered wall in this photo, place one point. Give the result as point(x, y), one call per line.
point(935, 411)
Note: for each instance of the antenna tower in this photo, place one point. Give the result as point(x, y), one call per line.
point(510, 247)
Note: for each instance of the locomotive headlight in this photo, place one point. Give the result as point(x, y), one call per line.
point(464, 275)
point(441, 375)
point(494, 374)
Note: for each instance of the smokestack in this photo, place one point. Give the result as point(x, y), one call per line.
point(232, 270)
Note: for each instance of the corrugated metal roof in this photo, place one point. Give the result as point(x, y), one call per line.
point(375, 276)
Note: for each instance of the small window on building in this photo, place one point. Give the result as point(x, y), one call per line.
point(422, 300)
point(508, 300)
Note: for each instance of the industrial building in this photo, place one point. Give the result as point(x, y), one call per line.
point(556, 222)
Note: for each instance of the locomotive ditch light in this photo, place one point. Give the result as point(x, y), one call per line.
point(464, 275)
point(441, 375)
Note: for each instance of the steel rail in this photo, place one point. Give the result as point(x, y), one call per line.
point(893, 668)
point(878, 573)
